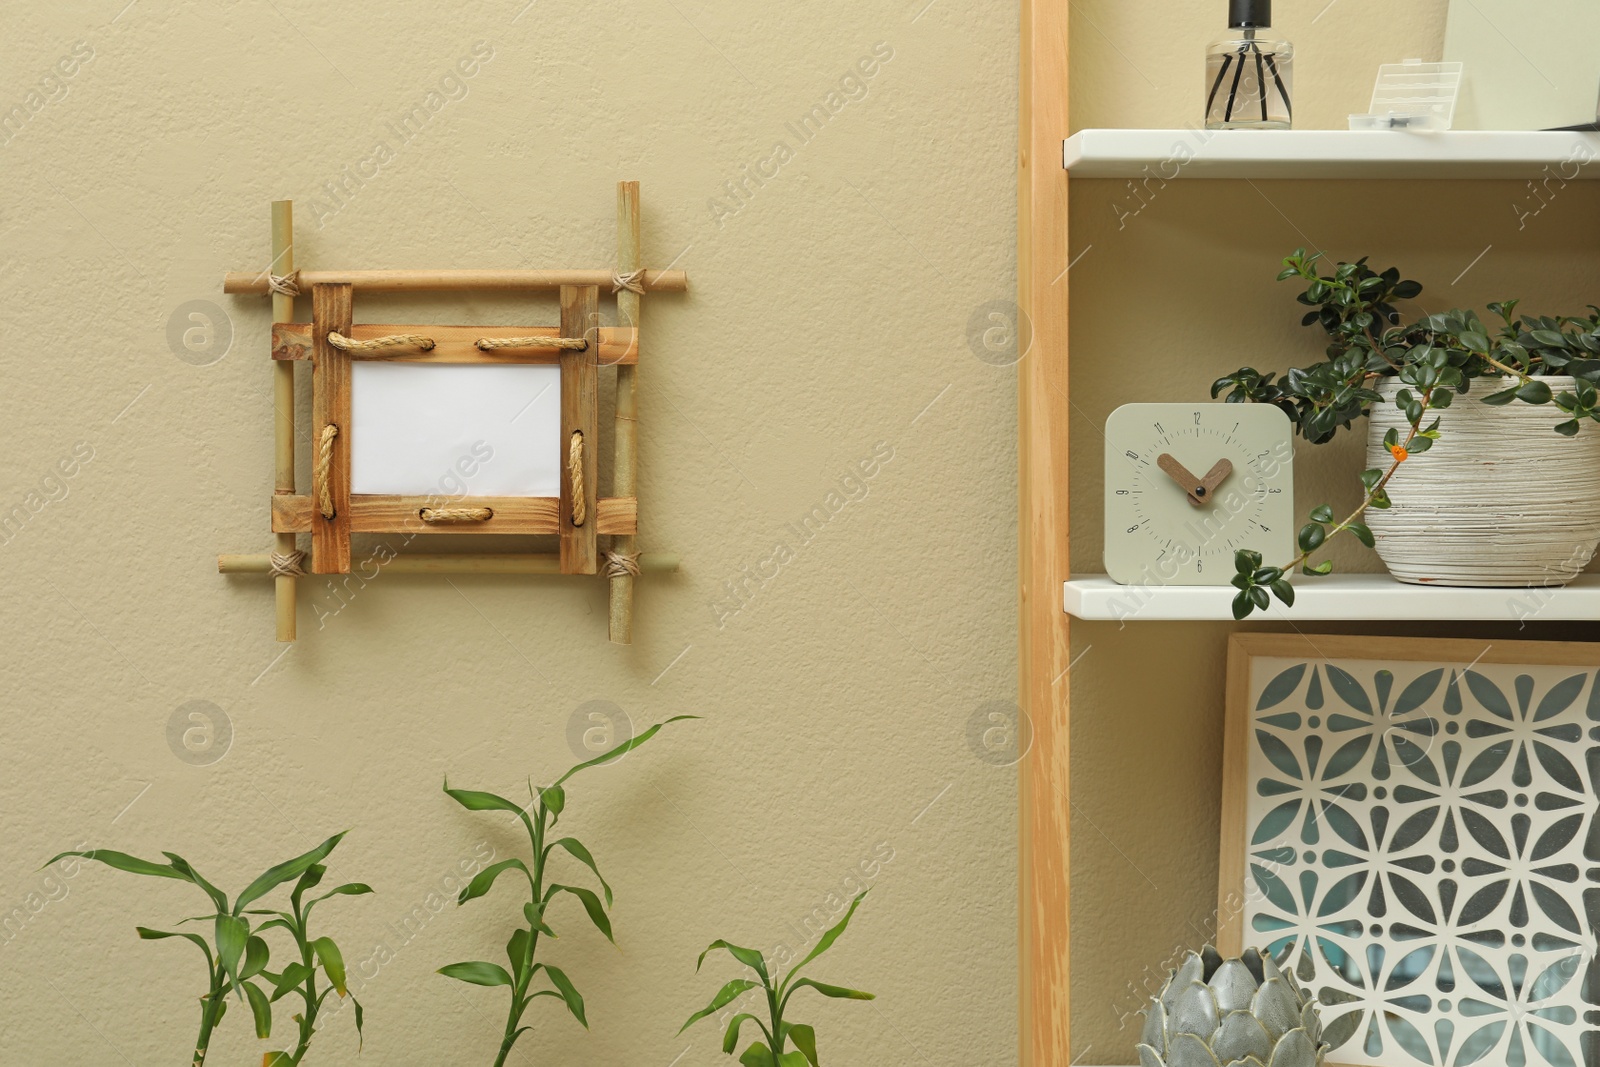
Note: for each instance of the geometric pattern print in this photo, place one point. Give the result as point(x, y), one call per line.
point(1424, 852)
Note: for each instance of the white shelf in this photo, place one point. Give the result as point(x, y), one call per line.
point(1196, 153)
point(1338, 596)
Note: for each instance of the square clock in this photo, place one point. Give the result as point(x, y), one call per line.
point(1189, 484)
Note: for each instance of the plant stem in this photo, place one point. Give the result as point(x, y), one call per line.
point(208, 1019)
point(519, 986)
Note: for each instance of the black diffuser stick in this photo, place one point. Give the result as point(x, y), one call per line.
point(1227, 61)
point(1261, 81)
point(1288, 106)
point(1233, 91)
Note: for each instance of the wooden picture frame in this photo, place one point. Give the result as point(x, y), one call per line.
point(333, 341)
point(1448, 846)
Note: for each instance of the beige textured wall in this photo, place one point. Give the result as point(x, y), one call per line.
point(828, 314)
point(1174, 288)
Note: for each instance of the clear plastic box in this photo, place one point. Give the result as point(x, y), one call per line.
point(1412, 96)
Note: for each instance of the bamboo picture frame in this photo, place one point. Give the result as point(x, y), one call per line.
point(1444, 862)
point(332, 342)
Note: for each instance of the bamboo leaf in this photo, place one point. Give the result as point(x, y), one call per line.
point(516, 952)
point(361, 1037)
point(730, 1040)
point(156, 935)
point(255, 957)
point(231, 934)
point(725, 996)
point(757, 1055)
point(563, 985)
point(533, 911)
point(183, 867)
point(591, 904)
point(834, 991)
point(485, 879)
point(332, 962)
point(825, 942)
point(624, 748)
point(747, 956)
point(473, 800)
point(291, 978)
point(576, 847)
point(805, 1039)
point(261, 1008)
point(477, 973)
point(124, 862)
point(275, 876)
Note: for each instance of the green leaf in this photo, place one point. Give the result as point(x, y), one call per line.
point(231, 934)
point(477, 973)
point(1363, 533)
point(1502, 398)
point(574, 846)
point(825, 942)
point(624, 748)
point(1380, 499)
point(834, 991)
point(1260, 598)
point(1370, 478)
point(533, 911)
point(156, 935)
point(757, 1055)
point(1322, 513)
point(1569, 428)
point(1284, 592)
point(277, 1059)
point(284, 871)
point(1312, 534)
point(332, 962)
point(730, 1040)
point(292, 977)
point(1477, 342)
point(183, 867)
point(1242, 605)
point(1392, 438)
point(349, 889)
point(124, 862)
point(361, 1037)
point(554, 799)
point(309, 880)
point(725, 996)
point(476, 801)
point(516, 953)
point(1325, 567)
point(792, 1059)
point(261, 1008)
point(255, 957)
point(1534, 392)
point(805, 1039)
point(484, 879)
point(563, 985)
point(747, 956)
point(591, 904)
point(1419, 444)
point(1245, 561)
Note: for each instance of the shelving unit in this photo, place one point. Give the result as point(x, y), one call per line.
point(1047, 590)
point(1323, 154)
point(1338, 597)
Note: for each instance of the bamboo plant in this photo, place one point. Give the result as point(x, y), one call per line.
point(236, 954)
point(1436, 358)
point(300, 975)
point(539, 818)
point(776, 1028)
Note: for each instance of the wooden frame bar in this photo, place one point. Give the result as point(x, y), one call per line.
point(624, 474)
point(1044, 822)
point(580, 414)
point(330, 405)
point(455, 344)
point(283, 411)
point(614, 516)
point(452, 563)
point(250, 283)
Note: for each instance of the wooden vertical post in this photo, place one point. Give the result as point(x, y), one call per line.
point(580, 401)
point(330, 537)
point(625, 472)
point(283, 406)
point(1045, 654)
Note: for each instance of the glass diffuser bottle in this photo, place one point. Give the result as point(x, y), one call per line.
point(1249, 72)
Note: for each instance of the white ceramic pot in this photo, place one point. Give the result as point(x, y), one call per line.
point(1500, 500)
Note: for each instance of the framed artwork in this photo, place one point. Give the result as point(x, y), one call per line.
point(1411, 825)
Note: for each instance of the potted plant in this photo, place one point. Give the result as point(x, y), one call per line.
point(775, 1027)
point(1506, 502)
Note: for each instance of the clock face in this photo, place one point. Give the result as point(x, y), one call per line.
point(1187, 485)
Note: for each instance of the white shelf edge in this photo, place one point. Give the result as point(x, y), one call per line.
point(1166, 155)
point(1350, 597)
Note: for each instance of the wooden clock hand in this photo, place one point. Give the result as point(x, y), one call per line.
point(1215, 477)
point(1193, 487)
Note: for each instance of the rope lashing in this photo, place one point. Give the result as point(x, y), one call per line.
point(325, 470)
point(574, 344)
point(394, 340)
point(286, 564)
point(580, 507)
point(622, 564)
point(284, 284)
point(633, 281)
point(454, 515)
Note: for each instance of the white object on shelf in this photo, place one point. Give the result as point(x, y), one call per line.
point(1412, 96)
point(1357, 597)
point(1196, 153)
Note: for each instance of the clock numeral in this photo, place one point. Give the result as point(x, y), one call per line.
point(1264, 528)
point(1122, 492)
point(1274, 492)
point(1134, 528)
point(1197, 419)
point(1160, 429)
point(1131, 454)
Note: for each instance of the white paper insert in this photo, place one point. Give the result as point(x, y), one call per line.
point(455, 429)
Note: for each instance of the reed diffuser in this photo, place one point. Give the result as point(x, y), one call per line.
point(1249, 72)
